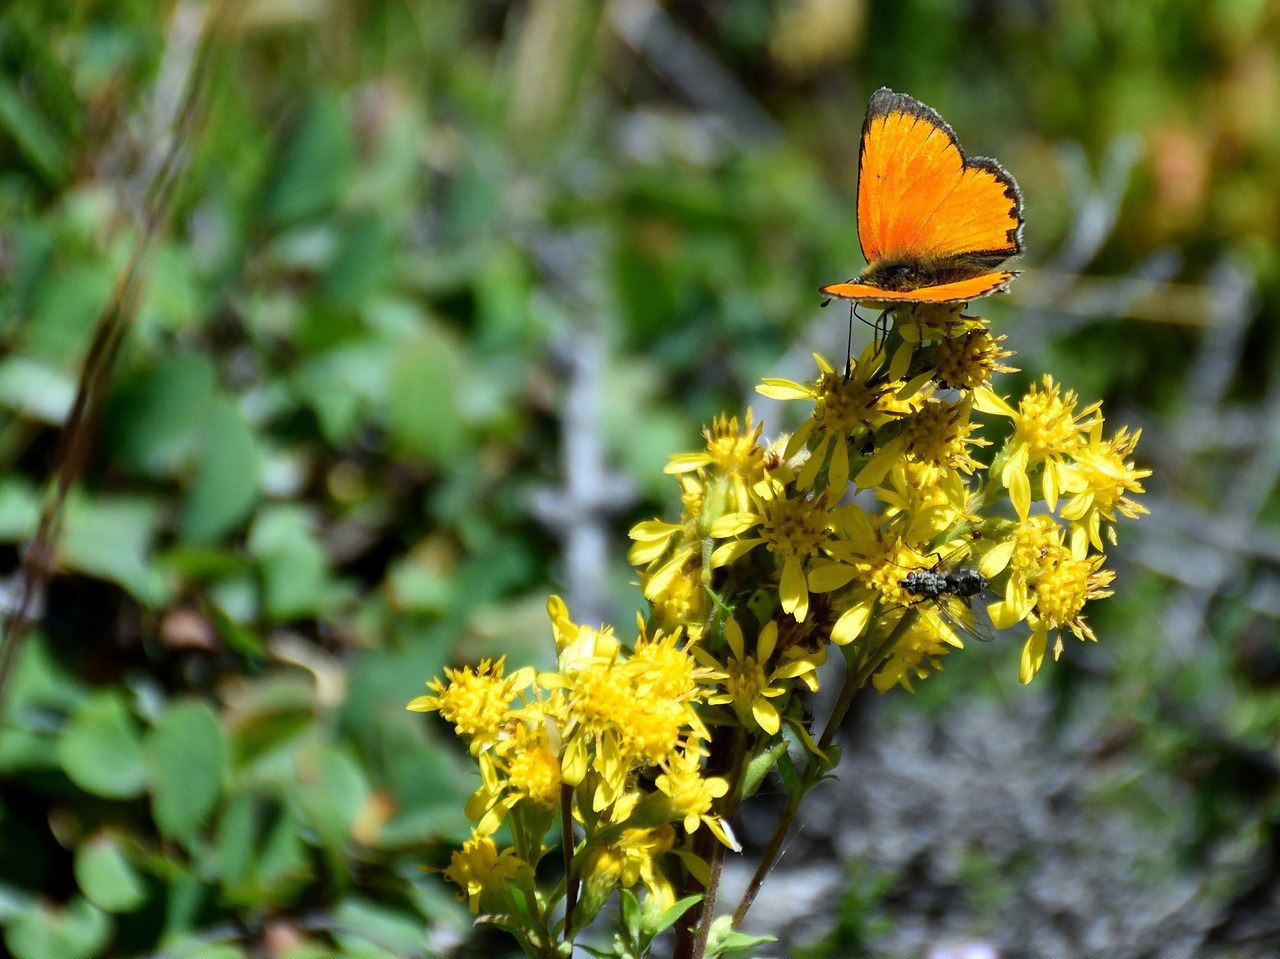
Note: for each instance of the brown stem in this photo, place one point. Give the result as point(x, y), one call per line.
point(694, 930)
point(854, 680)
point(91, 389)
point(566, 843)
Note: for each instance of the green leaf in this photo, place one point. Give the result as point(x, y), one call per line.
point(295, 569)
point(331, 791)
point(758, 767)
point(185, 753)
point(65, 307)
point(36, 389)
point(423, 408)
point(19, 509)
point(101, 750)
point(225, 488)
point(37, 138)
point(75, 931)
point(153, 425)
point(106, 876)
point(259, 851)
point(314, 165)
point(110, 538)
point(359, 920)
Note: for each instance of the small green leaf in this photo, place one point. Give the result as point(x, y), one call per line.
point(153, 425)
point(106, 876)
point(101, 750)
point(225, 487)
point(111, 538)
point(314, 165)
point(424, 415)
point(75, 931)
point(38, 139)
point(758, 767)
point(295, 569)
point(185, 755)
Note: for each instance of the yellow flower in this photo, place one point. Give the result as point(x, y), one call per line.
point(1046, 431)
point(692, 796)
point(620, 714)
point(938, 435)
point(851, 404)
point(748, 688)
point(636, 856)
point(793, 528)
point(476, 701)
point(732, 462)
point(917, 651)
point(578, 646)
point(968, 359)
point(1061, 591)
point(485, 875)
point(1098, 482)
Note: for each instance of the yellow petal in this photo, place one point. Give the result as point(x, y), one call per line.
point(851, 625)
point(1032, 656)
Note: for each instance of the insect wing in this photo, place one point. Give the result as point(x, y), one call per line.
point(920, 196)
point(967, 616)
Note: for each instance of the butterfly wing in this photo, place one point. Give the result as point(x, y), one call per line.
point(957, 292)
point(919, 197)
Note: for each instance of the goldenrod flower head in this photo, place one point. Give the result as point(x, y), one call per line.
point(732, 462)
point(692, 796)
point(578, 646)
point(635, 857)
point(1046, 430)
point(476, 701)
point(620, 714)
point(677, 595)
point(793, 528)
point(969, 359)
point(917, 652)
point(485, 874)
point(747, 687)
point(1098, 483)
point(533, 769)
point(1061, 590)
point(938, 435)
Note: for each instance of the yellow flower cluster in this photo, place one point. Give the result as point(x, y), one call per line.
point(874, 529)
point(613, 733)
point(816, 537)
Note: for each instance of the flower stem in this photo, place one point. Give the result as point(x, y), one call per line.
point(854, 680)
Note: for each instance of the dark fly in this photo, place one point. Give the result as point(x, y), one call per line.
point(953, 592)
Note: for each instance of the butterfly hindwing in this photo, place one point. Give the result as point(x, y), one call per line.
point(959, 291)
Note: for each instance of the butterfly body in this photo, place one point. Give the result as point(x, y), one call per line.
point(934, 225)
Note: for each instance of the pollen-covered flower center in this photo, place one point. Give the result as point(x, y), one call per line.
point(936, 434)
point(794, 526)
point(600, 698)
point(845, 405)
point(536, 773)
point(969, 360)
point(1061, 591)
point(475, 703)
point(1047, 422)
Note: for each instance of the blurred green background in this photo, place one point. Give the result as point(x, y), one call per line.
point(441, 287)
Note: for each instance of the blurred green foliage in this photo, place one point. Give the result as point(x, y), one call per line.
point(342, 386)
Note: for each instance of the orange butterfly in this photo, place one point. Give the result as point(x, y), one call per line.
point(933, 223)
